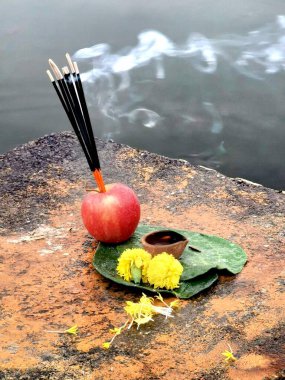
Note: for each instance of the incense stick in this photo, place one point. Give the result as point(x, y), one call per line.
point(57, 91)
point(77, 109)
point(97, 172)
point(69, 61)
point(69, 89)
point(64, 96)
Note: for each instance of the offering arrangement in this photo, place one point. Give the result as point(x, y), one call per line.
point(111, 215)
point(204, 257)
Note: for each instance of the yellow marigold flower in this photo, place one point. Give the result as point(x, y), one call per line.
point(142, 312)
point(143, 308)
point(106, 345)
point(133, 263)
point(146, 300)
point(164, 271)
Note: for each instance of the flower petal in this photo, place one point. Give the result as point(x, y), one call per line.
point(106, 345)
point(72, 330)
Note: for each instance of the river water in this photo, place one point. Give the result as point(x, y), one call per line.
point(199, 80)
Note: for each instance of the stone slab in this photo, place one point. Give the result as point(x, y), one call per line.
point(47, 281)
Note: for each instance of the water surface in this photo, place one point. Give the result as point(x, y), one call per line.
point(231, 118)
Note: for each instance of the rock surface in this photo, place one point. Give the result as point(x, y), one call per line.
point(48, 283)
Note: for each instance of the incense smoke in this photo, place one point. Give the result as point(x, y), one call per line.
point(158, 82)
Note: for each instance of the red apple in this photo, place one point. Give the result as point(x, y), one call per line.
point(112, 216)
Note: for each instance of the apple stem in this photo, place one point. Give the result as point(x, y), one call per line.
point(99, 180)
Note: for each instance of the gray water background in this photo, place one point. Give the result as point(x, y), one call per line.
point(250, 140)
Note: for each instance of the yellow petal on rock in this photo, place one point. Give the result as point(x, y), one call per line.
point(175, 304)
point(142, 320)
point(106, 345)
point(72, 330)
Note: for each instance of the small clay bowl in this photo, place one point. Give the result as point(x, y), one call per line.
point(164, 241)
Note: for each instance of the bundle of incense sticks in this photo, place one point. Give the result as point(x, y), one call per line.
point(69, 89)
